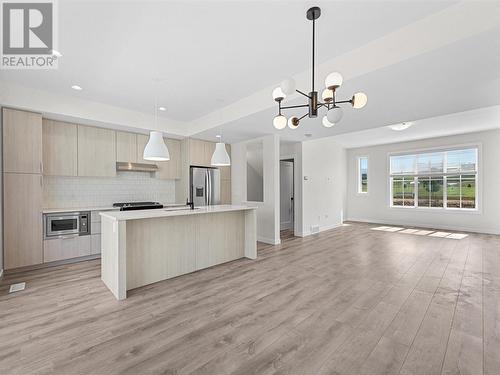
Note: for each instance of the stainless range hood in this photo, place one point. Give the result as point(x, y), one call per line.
point(135, 167)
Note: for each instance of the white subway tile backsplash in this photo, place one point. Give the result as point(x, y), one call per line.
point(65, 192)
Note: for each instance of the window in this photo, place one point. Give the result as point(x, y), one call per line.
point(438, 179)
point(362, 175)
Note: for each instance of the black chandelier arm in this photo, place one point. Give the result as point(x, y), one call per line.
point(303, 93)
point(295, 106)
point(343, 101)
point(304, 115)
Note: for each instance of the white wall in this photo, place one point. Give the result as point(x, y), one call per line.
point(374, 207)
point(68, 192)
point(267, 211)
point(1, 197)
point(323, 185)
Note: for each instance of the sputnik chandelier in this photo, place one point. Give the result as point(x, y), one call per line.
point(332, 82)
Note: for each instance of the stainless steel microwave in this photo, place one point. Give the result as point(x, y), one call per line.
point(61, 224)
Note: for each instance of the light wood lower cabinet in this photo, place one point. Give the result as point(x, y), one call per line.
point(22, 219)
point(95, 244)
point(66, 248)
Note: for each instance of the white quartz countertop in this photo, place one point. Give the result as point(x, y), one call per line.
point(102, 208)
point(169, 212)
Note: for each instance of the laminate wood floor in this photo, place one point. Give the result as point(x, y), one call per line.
point(347, 301)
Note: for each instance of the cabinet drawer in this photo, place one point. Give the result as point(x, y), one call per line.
point(65, 248)
point(95, 244)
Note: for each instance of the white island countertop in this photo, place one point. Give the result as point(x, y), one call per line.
point(169, 212)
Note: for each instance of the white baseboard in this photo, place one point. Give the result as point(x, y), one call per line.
point(321, 229)
point(436, 226)
point(269, 241)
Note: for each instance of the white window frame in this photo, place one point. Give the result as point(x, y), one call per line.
point(478, 179)
point(359, 190)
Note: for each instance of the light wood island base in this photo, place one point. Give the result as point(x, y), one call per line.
point(144, 247)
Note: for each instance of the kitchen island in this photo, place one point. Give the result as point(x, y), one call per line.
point(146, 246)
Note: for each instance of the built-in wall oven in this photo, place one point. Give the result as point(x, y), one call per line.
point(63, 224)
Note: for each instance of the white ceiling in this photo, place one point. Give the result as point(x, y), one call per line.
point(456, 123)
point(214, 57)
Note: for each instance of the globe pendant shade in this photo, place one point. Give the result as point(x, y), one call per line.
point(326, 123)
point(279, 122)
point(333, 80)
point(359, 100)
point(220, 157)
point(293, 122)
point(288, 86)
point(334, 115)
point(327, 95)
point(156, 149)
point(278, 94)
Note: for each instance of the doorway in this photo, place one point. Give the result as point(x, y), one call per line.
point(287, 208)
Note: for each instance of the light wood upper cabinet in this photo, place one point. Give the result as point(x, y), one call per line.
point(200, 152)
point(60, 147)
point(22, 219)
point(197, 152)
point(22, 141)
point(96, 151)
point(171, 169)
point(225, 172)
point(142, 141)
point(209, 148)
point(126, 147)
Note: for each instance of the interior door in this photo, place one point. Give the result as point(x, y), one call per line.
point(286, 195)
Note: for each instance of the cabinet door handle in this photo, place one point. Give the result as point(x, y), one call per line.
point(41, 167)
point(41, 181)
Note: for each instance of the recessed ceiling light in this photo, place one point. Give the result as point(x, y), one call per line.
point(402, 126)
point(56, 53)
point(76, 87)
point(162, 108)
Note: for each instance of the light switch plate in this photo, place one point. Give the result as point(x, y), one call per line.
point(17, 287)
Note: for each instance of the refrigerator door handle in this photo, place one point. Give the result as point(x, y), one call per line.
point(209, 188)
point(206, 188)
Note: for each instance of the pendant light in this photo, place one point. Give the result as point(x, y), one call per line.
point(220, 157)
point(156, 149)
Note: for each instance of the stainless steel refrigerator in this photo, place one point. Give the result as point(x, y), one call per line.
point(205, 186)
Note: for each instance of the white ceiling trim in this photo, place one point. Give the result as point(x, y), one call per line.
point(425, 35)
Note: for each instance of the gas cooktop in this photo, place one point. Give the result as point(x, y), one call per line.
point(129, 206)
